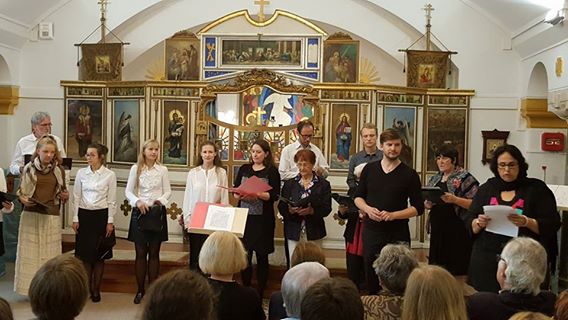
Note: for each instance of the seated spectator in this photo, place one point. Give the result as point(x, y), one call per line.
point(305, 251)
point(5, 310)
point(527, 315)
point(393, 266)
point(179, 294)
point(432, 293)
point(561, 306)
point(521, 269)
point(59, 289)
point(297, 281)
point(221, 256)
point(332, 299)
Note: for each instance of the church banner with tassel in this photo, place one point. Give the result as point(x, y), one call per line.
point(101, 62)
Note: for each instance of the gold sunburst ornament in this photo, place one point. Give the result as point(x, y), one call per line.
point(155, 70)
point(368, 72)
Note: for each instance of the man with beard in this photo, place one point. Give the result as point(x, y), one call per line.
point(384, 190)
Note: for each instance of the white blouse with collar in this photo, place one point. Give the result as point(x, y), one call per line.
point(95, 190)
point(153, 185)
point(202, 185)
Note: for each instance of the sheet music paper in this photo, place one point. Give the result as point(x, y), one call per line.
point(499, 223)
point(219, 218)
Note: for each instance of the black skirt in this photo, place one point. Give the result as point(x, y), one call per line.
point(92, 226)
point(137, 236)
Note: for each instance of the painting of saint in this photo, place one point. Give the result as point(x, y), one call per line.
point(446, 126)
point(403, 120)
point(261, 52)
point(84, 120)
point(341, 61)
point(343, 135)
point(175, 145)
point(426, 74)
point(182, 59)
point(126, 137)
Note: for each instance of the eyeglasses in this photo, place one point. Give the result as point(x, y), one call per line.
point(510, 165)
point(499, 258)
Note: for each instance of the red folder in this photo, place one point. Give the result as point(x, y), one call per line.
point(200, 213)
point(199, 216)
point(252, 185)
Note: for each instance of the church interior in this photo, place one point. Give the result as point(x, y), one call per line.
point(472, 73)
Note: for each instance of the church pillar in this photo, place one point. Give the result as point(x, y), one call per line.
point(9, 98)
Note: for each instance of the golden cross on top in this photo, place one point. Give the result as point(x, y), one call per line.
point(428, 8)
point(103, 4)
point(261, 3)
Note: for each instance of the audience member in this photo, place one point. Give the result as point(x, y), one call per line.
point(42, 191)
point(521, 270)
point(296, 282)
point(148, 191)
point(527, 315)
point(221, 256)
point(309, 202)
point(332, 299)
point(59, 289)
point(432, 293)
point(5, 310)
point(41, 125)
point(179, 295)
point(561, 306)
point(305, 251)
point(393, 266)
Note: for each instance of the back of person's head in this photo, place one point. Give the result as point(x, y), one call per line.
point(5, 310)
point(561, 307)
point(332, 298)
point(523, 266)
point(432, 293)
point(222, 254)
point(296, 282)
point(179, 294)
point(393, 266)
point(59, 289)
point(307, 251)
point(527, 315)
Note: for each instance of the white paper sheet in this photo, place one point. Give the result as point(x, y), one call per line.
point(219, 218)
point(499, 223)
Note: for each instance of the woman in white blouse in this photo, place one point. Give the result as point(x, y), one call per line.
point(202, 186)
point(148, 185)
point(94, 207)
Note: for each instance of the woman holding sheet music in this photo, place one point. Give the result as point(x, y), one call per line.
point(42, 191)
point(94, 195)
point(306, 201)
point(450, 243)
point(202, 185)
point(148, 191)
point(535, 215)
point(259, 230)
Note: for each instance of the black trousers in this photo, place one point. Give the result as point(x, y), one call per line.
point(195, 243)
point(356, 269)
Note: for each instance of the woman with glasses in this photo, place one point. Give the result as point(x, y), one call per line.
point(535, 214)
point(450, 243)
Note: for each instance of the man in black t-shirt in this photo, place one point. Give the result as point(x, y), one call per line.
point(385, 187)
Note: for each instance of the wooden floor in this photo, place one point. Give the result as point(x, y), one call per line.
point(119, 271)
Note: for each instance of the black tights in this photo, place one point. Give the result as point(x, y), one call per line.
point(95, 272)
point(261, 272)
point(147, 259)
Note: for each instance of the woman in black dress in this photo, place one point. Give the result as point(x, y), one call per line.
point(535, 215)
point(450, 243)
point(259, 231)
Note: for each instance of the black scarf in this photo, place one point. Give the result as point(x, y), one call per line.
point(502, 185)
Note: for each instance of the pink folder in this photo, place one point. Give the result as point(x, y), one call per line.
point(251, 185)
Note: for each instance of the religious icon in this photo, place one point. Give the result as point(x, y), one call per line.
point(446, 126)
point(84, 126)
point(182, 57)
point(403, 120)
point(262, 106)
point(341, 59)
point(343, 135)
point(126, 137)
point(427, 73)
point(175, 144)
point(102, 64)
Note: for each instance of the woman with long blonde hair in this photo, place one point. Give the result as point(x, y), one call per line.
point(432, 293)
point(42, 191)
point(148, 191)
